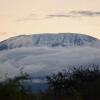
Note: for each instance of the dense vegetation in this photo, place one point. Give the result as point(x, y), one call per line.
point(81, 83)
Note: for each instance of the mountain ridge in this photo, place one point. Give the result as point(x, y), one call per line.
point(48, 39)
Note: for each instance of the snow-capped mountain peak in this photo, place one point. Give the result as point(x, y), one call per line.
point(51, 40)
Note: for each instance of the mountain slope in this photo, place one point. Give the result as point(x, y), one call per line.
point(42, 54)
point(51, 40)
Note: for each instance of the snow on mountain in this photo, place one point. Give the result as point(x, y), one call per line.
point(48, 40)
point(43, 54)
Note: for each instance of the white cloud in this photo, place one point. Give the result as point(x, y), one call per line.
point(43, 61)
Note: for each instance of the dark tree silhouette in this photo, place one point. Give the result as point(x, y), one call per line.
point(82, 83)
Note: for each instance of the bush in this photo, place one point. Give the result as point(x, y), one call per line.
point(82, 83)
point(77, 84)
point(13, 89)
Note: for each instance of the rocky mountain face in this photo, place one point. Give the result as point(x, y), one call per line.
point(49, 40)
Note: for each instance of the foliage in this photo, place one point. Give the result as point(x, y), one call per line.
point(77, 84)
point(13, 89)
point(82, 83)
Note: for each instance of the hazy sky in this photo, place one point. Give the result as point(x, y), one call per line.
point(39, 16)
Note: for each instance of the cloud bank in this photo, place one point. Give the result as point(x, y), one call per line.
point(85, 13)
point(40, 62)
point(70, 14)
point(29, 17)
point(74, 14)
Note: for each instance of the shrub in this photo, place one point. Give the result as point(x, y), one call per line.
point(81, 83)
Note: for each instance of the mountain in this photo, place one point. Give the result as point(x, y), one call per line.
point(48, 40)
point(42, 54)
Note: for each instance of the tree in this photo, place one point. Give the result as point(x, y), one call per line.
point(82, 83)
point(14, 89)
